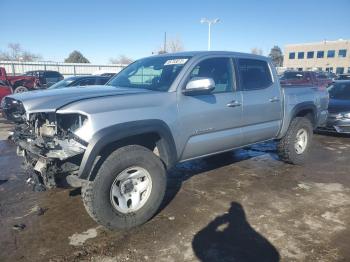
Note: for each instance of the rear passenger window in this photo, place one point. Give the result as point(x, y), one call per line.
point(219, 69)
point(101, 81)
point(52, 74)
point(254, 74)
point(87, 82)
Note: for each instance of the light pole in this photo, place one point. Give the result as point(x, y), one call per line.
point(210, 22)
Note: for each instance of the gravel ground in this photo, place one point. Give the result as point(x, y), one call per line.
point(241, 206)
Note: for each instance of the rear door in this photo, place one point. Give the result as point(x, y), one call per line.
point(262, 105)
point(211, 122)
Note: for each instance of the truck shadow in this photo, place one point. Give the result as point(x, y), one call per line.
point(230, 237)
point(183, 171)
point(332, 134)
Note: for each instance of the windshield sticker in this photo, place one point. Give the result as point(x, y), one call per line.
point(176, 61)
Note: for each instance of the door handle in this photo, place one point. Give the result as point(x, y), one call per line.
point(233, 103)
point(274, 99)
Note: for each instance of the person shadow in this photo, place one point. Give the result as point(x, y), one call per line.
point(229, 237)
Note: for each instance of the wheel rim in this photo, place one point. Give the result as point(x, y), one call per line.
point(301, 141)
point(131, 189)
point(20, 89)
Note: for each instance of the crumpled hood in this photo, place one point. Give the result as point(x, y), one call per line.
point(50, 100)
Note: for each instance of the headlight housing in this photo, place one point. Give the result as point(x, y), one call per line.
point(343, 116)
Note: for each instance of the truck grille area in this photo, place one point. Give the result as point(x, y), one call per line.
point(50, 149)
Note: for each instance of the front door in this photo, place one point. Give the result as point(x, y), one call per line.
point(211, 122)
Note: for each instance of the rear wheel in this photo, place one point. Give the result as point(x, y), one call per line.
point(128, 189)
point(20, 89)
point(294, 146)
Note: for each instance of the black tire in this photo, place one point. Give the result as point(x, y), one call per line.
point(96, 194)
point(286, 146)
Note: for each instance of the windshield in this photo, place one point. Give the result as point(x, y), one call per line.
point(340, 91)
point(154, 73)
point(62, 83)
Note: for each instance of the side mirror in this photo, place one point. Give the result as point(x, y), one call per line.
point(199, 85)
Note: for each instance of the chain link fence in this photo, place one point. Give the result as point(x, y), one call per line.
point(66, 69)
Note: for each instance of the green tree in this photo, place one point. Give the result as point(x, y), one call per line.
point(276, 55)
point(76, 57)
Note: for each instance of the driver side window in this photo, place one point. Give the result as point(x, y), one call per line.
point(219, 69)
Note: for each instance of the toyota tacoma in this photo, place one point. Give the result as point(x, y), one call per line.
point(117, 141)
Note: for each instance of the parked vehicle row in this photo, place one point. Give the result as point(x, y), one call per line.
point(46, 78)
point(339, 107)
point(19, 84)
point(42, 79)
point(305, 78)
point(81, 81)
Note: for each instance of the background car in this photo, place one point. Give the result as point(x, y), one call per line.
point(81, 81)
point(108, 74)
point(305, 78)
point(18, 84)
point(343, 77)
point(4, 91)
point(339, 107)
point(46, 78)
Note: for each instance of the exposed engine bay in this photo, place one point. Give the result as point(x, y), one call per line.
point(47, 141)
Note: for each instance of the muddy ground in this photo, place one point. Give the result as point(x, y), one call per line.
point(242, 206)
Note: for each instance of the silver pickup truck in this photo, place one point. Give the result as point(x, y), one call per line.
point(117, 141)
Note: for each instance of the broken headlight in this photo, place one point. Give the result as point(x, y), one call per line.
point(73, 122)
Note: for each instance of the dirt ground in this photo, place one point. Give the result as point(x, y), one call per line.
point(241, 206)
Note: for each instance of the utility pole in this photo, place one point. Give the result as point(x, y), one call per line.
point(164, 42)
point(210, 22)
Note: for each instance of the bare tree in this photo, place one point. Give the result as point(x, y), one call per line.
point(122, 59)
point(5, 56)
point(171, 46)
point(175, 45)
point(256, 51)
point(16, 53)
point(15, 50)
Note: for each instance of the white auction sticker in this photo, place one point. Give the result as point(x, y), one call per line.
point(176, 61)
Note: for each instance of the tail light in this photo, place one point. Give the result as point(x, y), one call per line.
point(7, 88)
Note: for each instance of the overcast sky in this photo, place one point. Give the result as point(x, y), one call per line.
point(104, 29)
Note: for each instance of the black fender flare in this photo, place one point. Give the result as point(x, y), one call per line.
point(115, 133)
point(305, 106)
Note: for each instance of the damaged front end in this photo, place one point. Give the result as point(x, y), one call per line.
point(48, 142)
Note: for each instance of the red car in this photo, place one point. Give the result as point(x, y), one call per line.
point(18, 83)
point(305, 78)
point(4, 91)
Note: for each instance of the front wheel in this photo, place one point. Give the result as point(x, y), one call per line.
point(294, 146)
point(20, 89)
point(128, 189)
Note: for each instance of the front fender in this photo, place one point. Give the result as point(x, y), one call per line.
point(115, 133)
